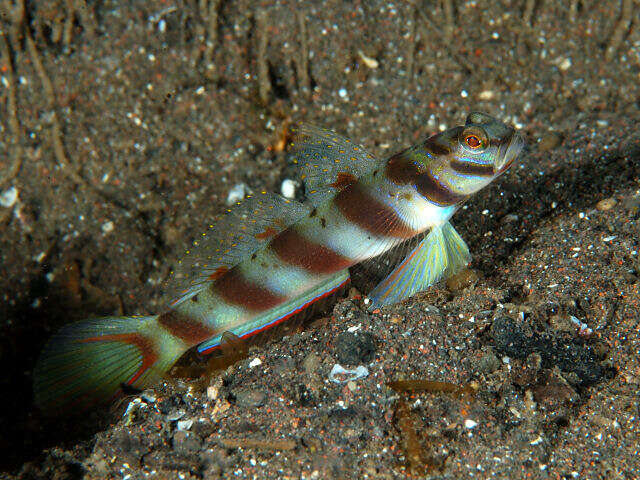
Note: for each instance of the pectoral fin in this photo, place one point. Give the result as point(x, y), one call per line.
point(442, 253)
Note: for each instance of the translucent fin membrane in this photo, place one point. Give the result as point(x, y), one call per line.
point(86, 363)
point(367, 274)
point(328, 162)
point(244, 229)
point(441, 253)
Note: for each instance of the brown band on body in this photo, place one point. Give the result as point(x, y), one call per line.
point(467, 167)
point(343, 180)
point(370, 214)
point(401, 170)
point(186, 328)
point(220, 271)
point(295, 249)
point(435, 148)
point(430, 188)
point(237, 290)
point(268, 233)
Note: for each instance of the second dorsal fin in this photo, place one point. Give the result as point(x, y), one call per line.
point(327, 161)
point(243, 230)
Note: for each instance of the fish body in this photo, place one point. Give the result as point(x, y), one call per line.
point(274, 257)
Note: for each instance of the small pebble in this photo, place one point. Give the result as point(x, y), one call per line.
point(107, 227)
point(9, 197)
point(564, 64)
point(488, 363)
point(212, 392)
point(186, 442)
point(311, 363)
point(606, 204)
point(462, 280)
point(549, 142)
point(355, 348)
point(177, 415)
point(470, 423)
point(486, 95)
point(250, 398)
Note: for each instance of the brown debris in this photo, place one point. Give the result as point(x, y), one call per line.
point(431, 386)
point(418, 458)
point(264, 83)
point(606, 204)
point(256, 444)
point(461, 280)
point(12, 120)
point(620, 30)
point(302, 60)
point(209, 11)
point(530, 5)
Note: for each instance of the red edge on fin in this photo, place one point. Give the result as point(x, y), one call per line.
point(280, 320)
point(144, 346)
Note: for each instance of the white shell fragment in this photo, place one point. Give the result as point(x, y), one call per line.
point(184, 425)
point(583, 328)
point(368, 61)
point(9, 197)
point(339, 374)
point(255, 362)
point(470, 423)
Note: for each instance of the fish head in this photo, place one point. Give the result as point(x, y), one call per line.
point(462, 160)
point(448, 167)
point(476, 153)
point(502, 143)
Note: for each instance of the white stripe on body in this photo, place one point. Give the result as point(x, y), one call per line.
point(276, 275)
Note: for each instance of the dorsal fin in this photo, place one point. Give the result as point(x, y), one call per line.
point(245, 228)
point(327, 161)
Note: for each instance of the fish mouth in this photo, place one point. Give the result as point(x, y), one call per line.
point(513, 148)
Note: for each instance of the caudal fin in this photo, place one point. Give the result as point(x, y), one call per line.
point(86, 363)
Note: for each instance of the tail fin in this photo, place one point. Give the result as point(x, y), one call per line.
point(86, 363)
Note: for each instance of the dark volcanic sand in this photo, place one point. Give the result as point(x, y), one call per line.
point(154, 136)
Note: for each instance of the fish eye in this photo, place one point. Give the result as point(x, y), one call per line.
point(474, 139)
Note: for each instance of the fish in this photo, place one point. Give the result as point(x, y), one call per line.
point(270, 258)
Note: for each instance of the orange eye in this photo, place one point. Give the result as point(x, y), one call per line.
point(473, 141)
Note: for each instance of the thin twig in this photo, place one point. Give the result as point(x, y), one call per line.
point(258, 444)
point(212, 28)
point(573, 10)
point(449, 27)
point(411, 47)
point(87, 19)
point(56, 131)
point(14, 124)
point(528, 12)
point(302, 63)
point(461, 61)
point(620, 29)
point(67, 30)
point(15, 12)
point(264, 84)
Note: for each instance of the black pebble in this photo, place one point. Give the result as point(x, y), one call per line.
point(566, 351)
point(355, 348)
